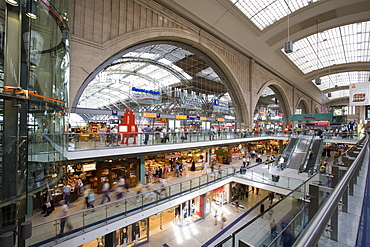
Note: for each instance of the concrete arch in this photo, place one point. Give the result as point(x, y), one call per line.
point(280, 94)
point(305, 105)
point(316, 110)
point(87, 60)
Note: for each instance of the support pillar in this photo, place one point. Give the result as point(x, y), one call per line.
point(334, 225)
point(344, 197)
point(110, 239)
point(335, 179)
point(142, 169)
point(314, 200)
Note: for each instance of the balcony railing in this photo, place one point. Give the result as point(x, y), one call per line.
point(49, 232)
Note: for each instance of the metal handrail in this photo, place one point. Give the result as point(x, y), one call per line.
point(313, 232)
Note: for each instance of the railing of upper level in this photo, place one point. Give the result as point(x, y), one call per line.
point(315, 229)
point(293, 214)
point(82, 141)
point(49, 232)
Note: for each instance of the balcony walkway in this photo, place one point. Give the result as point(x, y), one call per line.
point(47, 228)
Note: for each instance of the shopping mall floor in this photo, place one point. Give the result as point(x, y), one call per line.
point(199, 232)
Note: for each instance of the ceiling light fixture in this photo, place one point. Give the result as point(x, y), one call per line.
point(31, 9)
point(13, 2)
point(288, 45)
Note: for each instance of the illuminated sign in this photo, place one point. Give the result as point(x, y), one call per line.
point(203, 118)
point(181, 117)
point(89, 167)
point(321, 124)
point(148, 114)
point(221, 119)
point(170, 156)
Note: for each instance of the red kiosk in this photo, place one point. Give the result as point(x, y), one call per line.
point(128, 128)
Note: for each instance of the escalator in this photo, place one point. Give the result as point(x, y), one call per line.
point(316, 152)
point(290, 147)
point(300, 152)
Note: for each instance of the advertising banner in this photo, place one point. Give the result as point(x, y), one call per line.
point(359, 94)
point(146, 96)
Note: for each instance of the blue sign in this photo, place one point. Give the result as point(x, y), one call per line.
point(216, 102)
point(193, 118)
point(158, 115)
point(145, 91)
point(114, 113)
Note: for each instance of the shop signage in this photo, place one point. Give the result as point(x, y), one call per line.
point(203, 118)
point(221, 107)
point(148, 114)
point(312, 117)
point(221, 119)
point(359, 94)
point(191, 101)
point(89, 167)
point(171, 156)
point(181, 117)
point(218, 190)
point(321, 124)
point(193, 118)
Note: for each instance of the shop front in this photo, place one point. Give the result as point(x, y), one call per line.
point(94, 174)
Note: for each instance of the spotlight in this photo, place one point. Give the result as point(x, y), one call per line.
point(31, 9)
point(13, 2)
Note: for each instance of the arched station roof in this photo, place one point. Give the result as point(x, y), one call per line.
point(331, 38)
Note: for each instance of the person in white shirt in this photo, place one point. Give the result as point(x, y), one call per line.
point(64, 220)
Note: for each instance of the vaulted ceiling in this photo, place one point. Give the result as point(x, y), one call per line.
point(331, 38)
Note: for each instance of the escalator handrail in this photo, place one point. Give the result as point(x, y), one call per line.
point(314, 230)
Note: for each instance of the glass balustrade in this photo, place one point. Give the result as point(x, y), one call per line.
point(101, 215)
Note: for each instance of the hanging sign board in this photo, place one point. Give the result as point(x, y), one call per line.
point(321, 124)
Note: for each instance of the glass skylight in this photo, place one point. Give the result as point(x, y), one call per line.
point(161, 77)
point(342, 79)
point(340, 45)
point(339, 94)
point(264, 13)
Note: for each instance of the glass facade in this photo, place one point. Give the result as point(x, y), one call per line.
point(34, 75)
point(162, 78)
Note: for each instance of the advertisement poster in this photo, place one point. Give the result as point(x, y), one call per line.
point(359, 94)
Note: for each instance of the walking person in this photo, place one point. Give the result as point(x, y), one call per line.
point(186, 168)
point(244, 161)
point(64, 219)
point(119, 193)
point(236, 206)
point(86, 195)
point(147, 131)
point(127, 185)
point(273, 227)
point(223, 220)
point(177, 169)
point(262, 209)
point(67, 194)
point(80, 186)
point(105, 191)
point(204, 167)
point(139, 187)
point(91, 200)
point(216, 216)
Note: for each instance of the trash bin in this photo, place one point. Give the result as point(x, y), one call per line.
point(275, 178)
point(243, 170)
